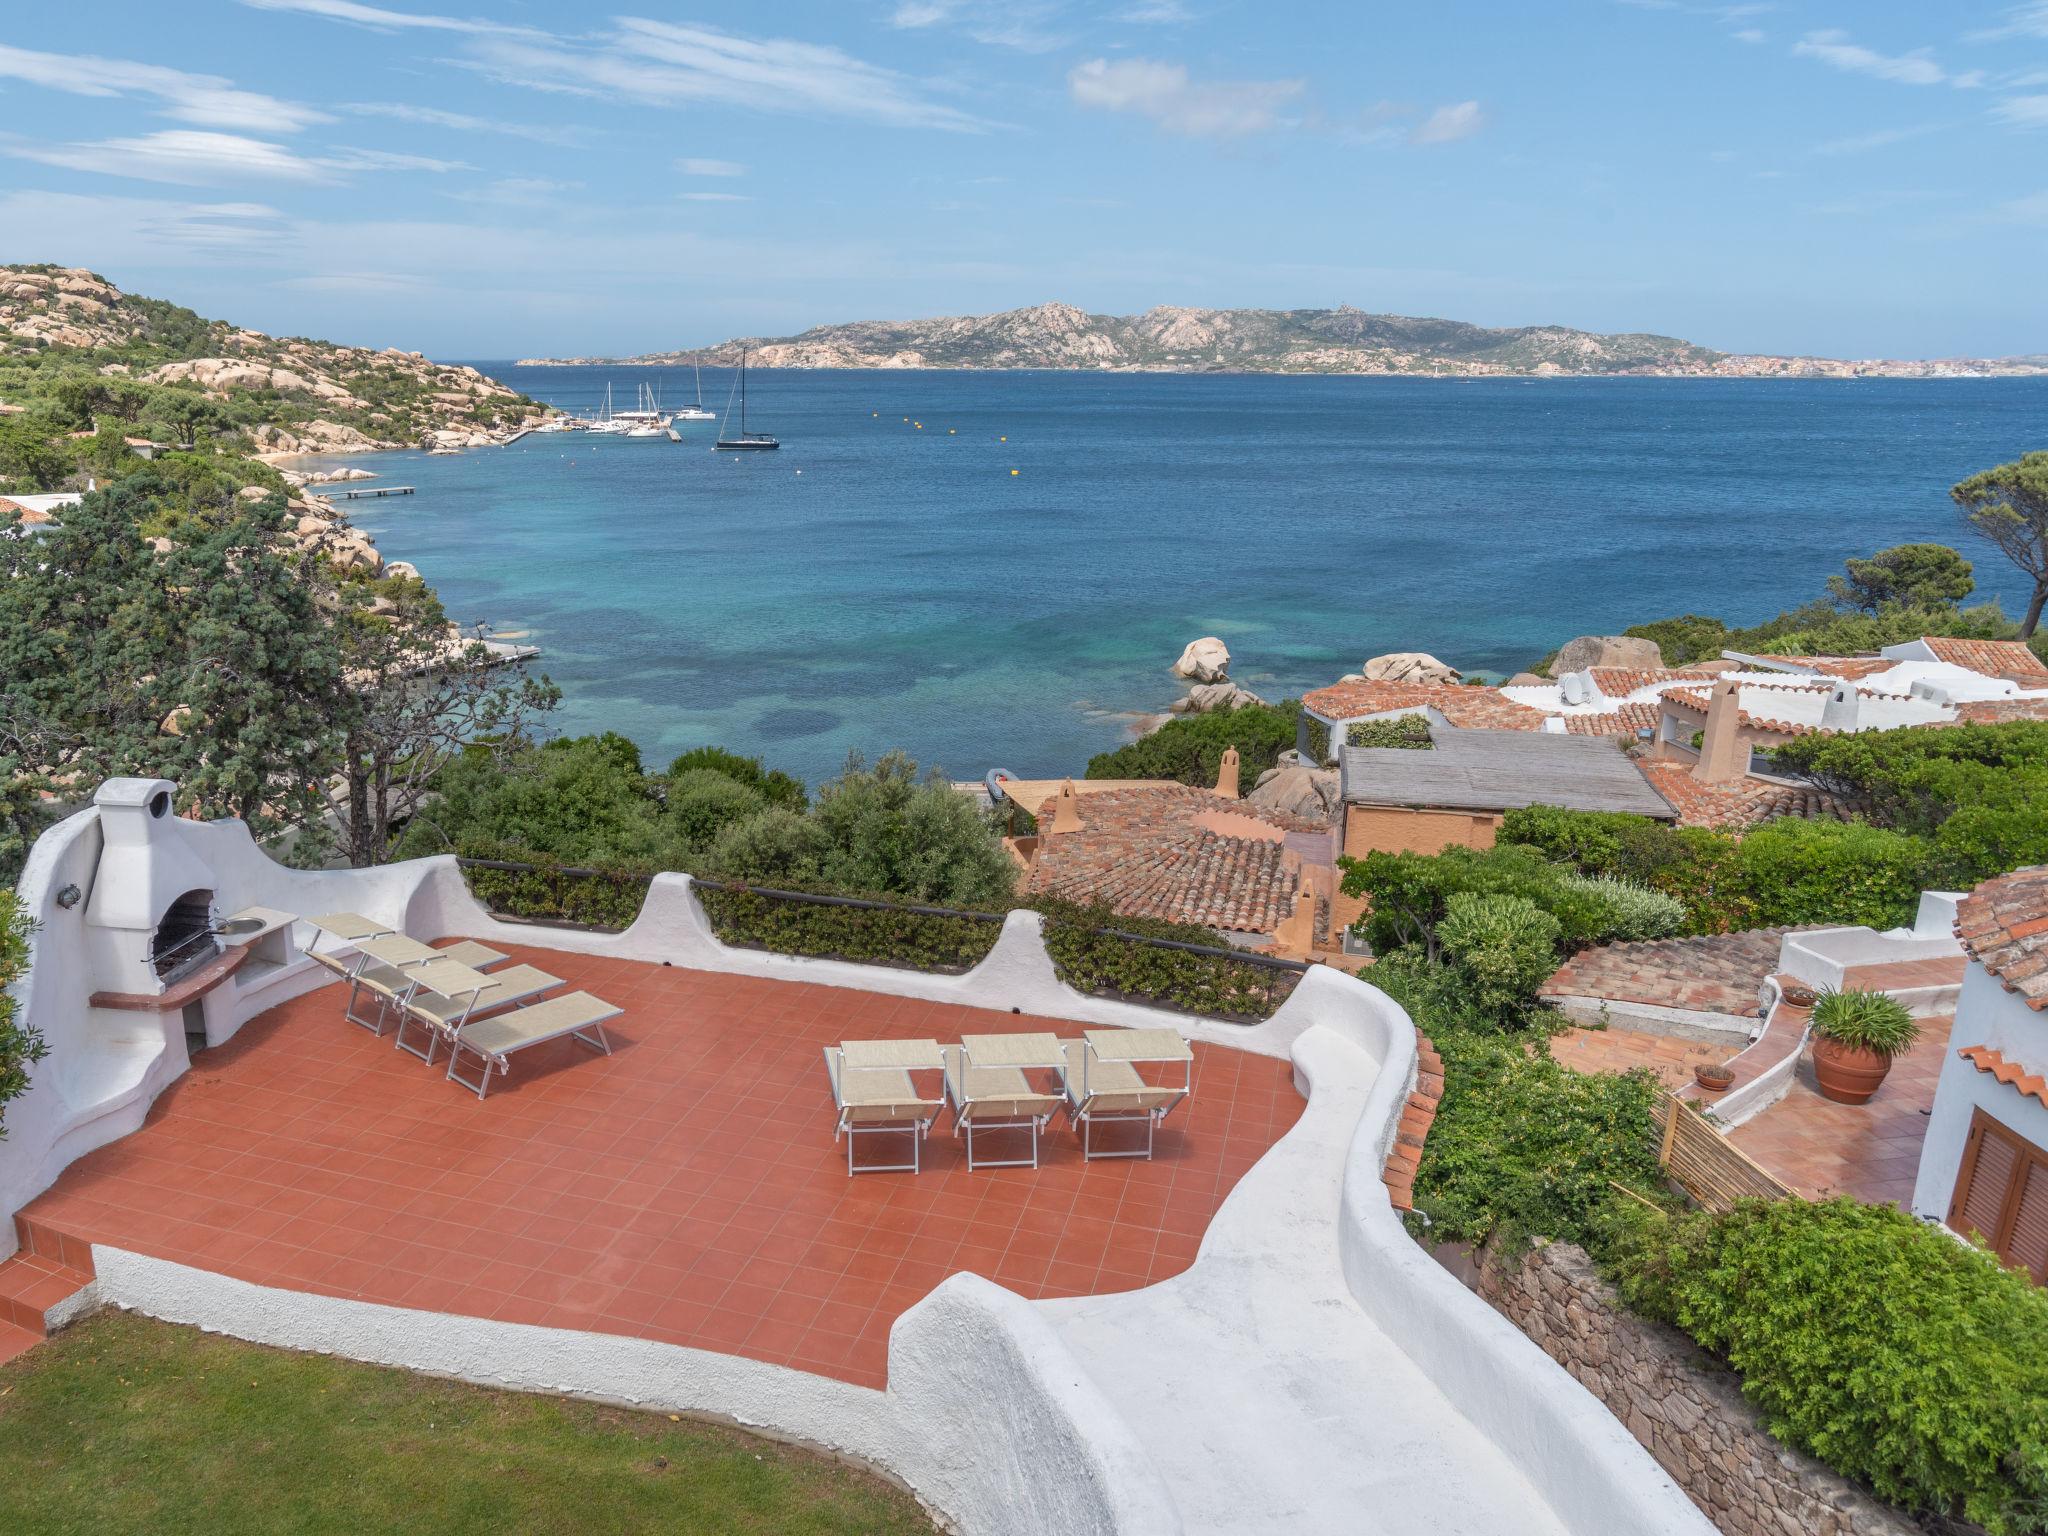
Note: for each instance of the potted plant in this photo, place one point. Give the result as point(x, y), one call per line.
point(1855, 1037)
point(1715, 1077)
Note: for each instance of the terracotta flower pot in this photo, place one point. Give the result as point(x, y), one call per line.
point(1713, 1079)
point(1848, 1074)
point(1800, 997)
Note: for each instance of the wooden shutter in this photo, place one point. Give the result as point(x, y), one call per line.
point(2027, 1246)
point(2002, 1195)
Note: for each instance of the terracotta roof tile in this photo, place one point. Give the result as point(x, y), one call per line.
point(1854, 668)
point(1699, 699)
point(1734, 805)
point(1476, 708)
point(1147, 852)
point(1625, 720)
point(1999, 711)
point(1712, 973)
point(2004, 926)
point(1615, 682)
point(2011, 1073)
point(1994, 658)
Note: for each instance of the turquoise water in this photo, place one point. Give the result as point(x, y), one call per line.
point(874, 585)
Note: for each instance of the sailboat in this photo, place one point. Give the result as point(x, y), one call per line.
point(744, 439)
point(645, 419)
point(606, 423)
point(696, 412)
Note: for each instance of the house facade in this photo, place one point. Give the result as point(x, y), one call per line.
point(1984, 1163)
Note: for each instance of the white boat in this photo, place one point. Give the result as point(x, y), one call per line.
point(606, 424)
point(645, 420)
point(696, 412)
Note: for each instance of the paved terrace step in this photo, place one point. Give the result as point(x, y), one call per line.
point(1925, 986)
point(35, 1282)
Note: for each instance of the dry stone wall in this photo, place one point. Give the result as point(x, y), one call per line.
point(1686, 1410)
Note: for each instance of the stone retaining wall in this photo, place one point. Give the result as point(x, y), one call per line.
point(1687, 1411)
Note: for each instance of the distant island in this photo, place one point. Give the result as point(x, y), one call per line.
point(1171, 339)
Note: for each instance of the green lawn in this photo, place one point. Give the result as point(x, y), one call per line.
point(122, 1423)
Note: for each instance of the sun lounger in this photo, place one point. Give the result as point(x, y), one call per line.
point(495, 1040)
point(1101, 1083)
point(384, 970)
point(989, 1091)
point(873, 1094)
point(442, 1001)
point(347, 929)
point(469, 952)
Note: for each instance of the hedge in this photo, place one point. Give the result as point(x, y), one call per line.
point(21, 1046)
point(1884, 1347)
point(608, 897)
point(1093, 950)
point(1191, 747)
point(877, 935)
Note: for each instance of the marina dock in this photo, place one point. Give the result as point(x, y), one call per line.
point(378, 490)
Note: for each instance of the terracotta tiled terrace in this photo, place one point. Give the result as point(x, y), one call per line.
point(685, 1189)
point(1870, 1151)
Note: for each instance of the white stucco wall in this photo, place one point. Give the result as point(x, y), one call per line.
point(1986, 1014)
point(987, 1414)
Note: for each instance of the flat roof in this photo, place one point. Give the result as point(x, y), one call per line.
point(1474, 770)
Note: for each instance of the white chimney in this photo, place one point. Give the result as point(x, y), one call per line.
point(1839, 713)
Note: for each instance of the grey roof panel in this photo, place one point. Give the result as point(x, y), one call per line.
point(1499, 771)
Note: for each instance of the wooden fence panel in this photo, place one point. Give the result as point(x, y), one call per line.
point(1707, 1165)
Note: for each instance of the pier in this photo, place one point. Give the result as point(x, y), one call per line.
point(377, 490)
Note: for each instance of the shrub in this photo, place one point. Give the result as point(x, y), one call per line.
point(772, 784)
point(21, 1046)
point(886, 831)
point(1190, 748)
point(1411, 731)
point(609, 897)
point(1505, 945)
point(1868, 1020)
point(1521, 1147)
point(775, 846)
point(886, 936)
point(1092, 953)
point(579, 800)
point(1635, 912)
point(703, 802)
point(1884, 1347)
point(1832, 872)
point(1688, 638)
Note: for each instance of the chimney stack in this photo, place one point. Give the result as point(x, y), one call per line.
point(1066, 810)
point(1723, 752)
point(1839, 713)
point(1226, 776)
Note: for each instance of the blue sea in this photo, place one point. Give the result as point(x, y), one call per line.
point(998, 569)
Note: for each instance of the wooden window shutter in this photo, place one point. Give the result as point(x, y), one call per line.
point(1989, 1161)
point(2002, 1195)
point(2027, 1246)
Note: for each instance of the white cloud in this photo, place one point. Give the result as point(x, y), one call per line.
point(463, 122)
point(2020, 21)
point(714, 197)
point(691, 166)
point(354, 282)
point(383, 19)
point(111, 231)
point(2032, 209)
point(1019, 24)
point(1749, 35)
point(1833, 47)
point(1447, 125)
point(182, 157)
point(518, 191)
point(1861, 143)
point(662, 64)
point(1164, 93)
point(207, 100)
point(1160, 13)
point(2022, 112)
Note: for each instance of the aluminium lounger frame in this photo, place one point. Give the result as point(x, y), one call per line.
point(1111, 1091)
point(885, 1102)
point(521, 984)
point(494, 1041)
point(996, 1095)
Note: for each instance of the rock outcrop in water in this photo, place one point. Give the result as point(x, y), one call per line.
point(1206, 660)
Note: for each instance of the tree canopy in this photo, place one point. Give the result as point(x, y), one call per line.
point(2009, 506)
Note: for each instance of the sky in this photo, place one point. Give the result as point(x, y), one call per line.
point(1862, 178)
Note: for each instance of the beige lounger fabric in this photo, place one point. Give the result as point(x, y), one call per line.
point(565, 1015)
point(1139, 1045)
point(879, 1095)
point(993, 1093)
point(350, 926)
point(397, 949)
point(469, 952)
point(1113, 1087)
point(861, 1055)
point(1039, 1048)
point(445, 1004)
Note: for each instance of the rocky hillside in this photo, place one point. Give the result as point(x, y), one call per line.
point(276, 395)
point(1342, 340)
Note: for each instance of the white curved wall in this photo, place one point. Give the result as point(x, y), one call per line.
point(983, 1391)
